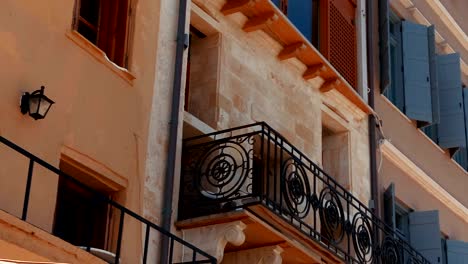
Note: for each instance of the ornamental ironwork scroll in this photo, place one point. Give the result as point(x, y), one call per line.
point(239, 167)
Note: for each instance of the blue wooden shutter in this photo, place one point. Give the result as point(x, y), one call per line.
point(465, 109)
point(418, 105)
point(276, 2)
point(384, 45)
point(425, 234)
point(389, 206)
point(452, 121)
point(433, 74)
point(300, 14)
point(461, 157)
point(457, 252)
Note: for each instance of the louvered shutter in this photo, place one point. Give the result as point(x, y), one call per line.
point(384, 45)
point(452, 121)
point(425, 234)
point(338, 41)
point(300, 14)
point(457, 252)
point(433, 75)
point(416, 78)
point(389, 206)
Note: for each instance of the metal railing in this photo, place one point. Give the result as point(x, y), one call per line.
point(124, 215)
point(255, 165)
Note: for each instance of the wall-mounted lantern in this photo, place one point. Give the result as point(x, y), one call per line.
point(36, 104)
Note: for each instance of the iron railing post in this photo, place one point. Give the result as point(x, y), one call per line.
point(28, 190)
point(145, 249)
point(119, 237)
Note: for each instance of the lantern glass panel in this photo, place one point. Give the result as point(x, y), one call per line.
point(34, 104)
point(44, 107)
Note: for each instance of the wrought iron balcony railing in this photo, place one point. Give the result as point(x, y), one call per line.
point(124, 215)
point(255, 165)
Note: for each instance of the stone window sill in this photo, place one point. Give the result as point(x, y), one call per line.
point(100, 56)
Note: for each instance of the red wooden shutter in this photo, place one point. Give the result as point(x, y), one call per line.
point(338, 37)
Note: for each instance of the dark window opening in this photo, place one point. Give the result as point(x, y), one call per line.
point(195, 34)
point(80, 218)
point(304, 15)
point(105, 24)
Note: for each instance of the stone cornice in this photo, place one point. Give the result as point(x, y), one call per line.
point(421, 178)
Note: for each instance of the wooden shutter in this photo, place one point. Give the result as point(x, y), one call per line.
point(300, 14)
point(433, 74)
point(465, 108)
point(461, 157)
point(457, 252)
point(389, 206)
point(425, 234)
point(452, 121)
point(416, 78)
point(276, 2)
point(338, 37)
point(384, 45)
point(113, 29)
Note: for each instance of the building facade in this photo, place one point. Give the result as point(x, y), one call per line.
point(214, 131)
point(422, 137)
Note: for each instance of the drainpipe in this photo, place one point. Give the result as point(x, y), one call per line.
point(372, 121)
point(182, 44)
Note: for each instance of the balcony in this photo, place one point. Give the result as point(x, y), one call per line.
point(254, 172)
point(129, 237)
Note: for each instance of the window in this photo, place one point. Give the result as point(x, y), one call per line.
point(201, 88)
point(425, 86)
point(422, 230)
point(80, 219)
point(395, 90)
point(336, 155)
point(402, 221)
point(304, 15)
point(330, 26)
point(105, 24)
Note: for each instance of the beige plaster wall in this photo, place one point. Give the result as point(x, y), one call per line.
point(457, 8)
point(422, 151)
point(432, 160)
point(417, 198)
point(97, 112)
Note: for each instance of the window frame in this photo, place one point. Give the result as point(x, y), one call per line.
point(316, 16)
point(396, 62)
point(120, 49)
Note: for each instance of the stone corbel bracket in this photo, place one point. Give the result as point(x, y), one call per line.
point(213, 239)
point(263, 255)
